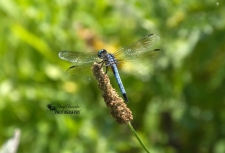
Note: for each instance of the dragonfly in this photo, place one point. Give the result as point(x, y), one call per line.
point(125, 57)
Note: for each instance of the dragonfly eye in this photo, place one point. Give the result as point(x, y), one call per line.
point(101, 53)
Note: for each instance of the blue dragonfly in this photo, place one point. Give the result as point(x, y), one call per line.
point(126, 57)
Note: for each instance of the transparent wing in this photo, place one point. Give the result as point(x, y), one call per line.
point(78, 57)
point(83, 62)
point(139, 47)
point(137, 56)
point(139, 62)
point(80, 71)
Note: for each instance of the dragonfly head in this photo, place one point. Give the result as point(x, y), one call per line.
point(102, 53)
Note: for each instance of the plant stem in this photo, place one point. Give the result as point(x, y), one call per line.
point(136, 135)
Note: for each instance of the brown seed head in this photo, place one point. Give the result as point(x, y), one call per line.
point(118, 109)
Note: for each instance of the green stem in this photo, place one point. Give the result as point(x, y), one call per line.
point(136, 135)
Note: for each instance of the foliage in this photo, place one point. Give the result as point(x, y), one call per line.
point(178, 108)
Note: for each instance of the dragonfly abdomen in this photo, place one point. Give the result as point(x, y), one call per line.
point(112, 63)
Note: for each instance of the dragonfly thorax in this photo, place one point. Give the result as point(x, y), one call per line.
point(108, 58)
point(102, 53)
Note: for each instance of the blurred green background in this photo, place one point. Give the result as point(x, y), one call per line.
point(178, 108)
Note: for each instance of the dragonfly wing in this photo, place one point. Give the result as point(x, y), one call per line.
point(83, 62)
point(78, 57)
point(139, 47)
point(80, 71)
point(139, 62)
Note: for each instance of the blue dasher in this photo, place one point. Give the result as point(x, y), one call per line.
point(126, 57)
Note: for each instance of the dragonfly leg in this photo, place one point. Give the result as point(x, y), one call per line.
point(106, 70)
point(102, 62)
